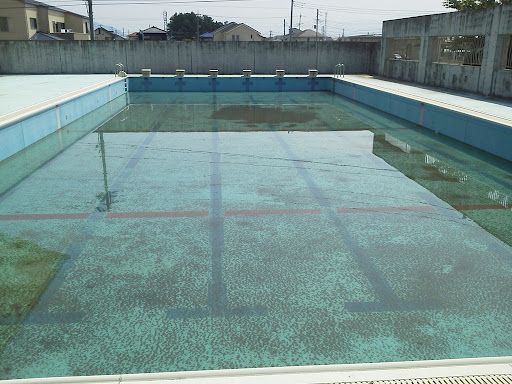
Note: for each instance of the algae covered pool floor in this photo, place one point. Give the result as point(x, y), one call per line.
point(201, 231)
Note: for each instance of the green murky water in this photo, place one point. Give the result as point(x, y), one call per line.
point(212, 231)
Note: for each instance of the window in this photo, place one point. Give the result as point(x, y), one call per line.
point(4, 24)
point(461, 50)
point(57, 27)
point(33, 23)
point(508, 63)
point(404, 48)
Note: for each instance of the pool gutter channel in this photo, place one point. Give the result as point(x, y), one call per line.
point(490, 370)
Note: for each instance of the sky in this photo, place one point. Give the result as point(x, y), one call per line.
point(266, 16)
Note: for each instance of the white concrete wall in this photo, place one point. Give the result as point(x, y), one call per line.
point(195, 57)
point(488, 79)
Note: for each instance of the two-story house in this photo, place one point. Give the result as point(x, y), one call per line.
point(21, 19)
point(236, 32)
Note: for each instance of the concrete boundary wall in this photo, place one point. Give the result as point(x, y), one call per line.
point(164, 57)
point(491, 78)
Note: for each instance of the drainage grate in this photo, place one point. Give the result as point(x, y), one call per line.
point(486, 379)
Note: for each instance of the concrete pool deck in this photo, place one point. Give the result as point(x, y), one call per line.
point(485, 107)
point(21, 91)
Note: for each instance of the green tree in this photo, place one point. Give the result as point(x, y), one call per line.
point(183, 26)
point(462, 5)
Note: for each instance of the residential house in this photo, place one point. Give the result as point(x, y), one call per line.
point(21, 19)
point(38, 36)
point(369, 38)
point(153, 34)
point(102, 33)
point(306, 35)
point(236, 32)
point(133, 36)
point(208, 36)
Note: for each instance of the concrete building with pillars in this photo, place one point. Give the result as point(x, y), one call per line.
point(465, 51)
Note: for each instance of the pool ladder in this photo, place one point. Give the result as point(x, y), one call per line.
point(119, 70)
point(339, 70)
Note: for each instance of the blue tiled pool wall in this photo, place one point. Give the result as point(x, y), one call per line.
point(488, 136)
point(20, 135)
point(229, 84)
point(483, 134)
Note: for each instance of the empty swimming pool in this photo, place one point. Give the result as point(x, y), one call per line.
point(226, 230)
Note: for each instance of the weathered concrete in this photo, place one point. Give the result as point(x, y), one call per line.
point(491, 78)
point(81, 57)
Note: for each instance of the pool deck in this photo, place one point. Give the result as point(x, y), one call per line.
point(20, 92)
point(485, 107)
point(494, 370)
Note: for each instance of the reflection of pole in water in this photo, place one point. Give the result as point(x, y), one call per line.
point(104, 163)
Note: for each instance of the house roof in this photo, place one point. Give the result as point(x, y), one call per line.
point(229, 27)
point(226, 28)
point(310, 33)
point(111, 32)
point(44, 36)
point(206, 35)
point(154, 30)
point(40, 4)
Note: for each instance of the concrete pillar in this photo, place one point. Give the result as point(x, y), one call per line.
point(490, 60)
point(424, 50)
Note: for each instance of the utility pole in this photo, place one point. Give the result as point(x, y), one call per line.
point(270, 33)
point(325, 26)
point(316, 35)
point(91, 22)
point(197, 25)
point(300, 20)
point(291, 21)
point(284, 28)
point(316, 65)
point(165, 21)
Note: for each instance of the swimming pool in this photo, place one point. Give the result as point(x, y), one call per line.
point(226, 230)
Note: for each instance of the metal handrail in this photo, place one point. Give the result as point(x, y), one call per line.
point(339, 70)
point(119, 67)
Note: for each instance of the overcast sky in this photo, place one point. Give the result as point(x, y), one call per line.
point(352, 17)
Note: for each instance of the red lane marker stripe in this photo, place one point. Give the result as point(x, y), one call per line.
point(476, 207)
point(127, 215)
point(272, 212)
point(45, 216)
point(421, 208)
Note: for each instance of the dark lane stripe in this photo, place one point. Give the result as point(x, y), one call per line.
point(382, 289)
point(217, 295)
point(387, 299)
point(39, 313)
